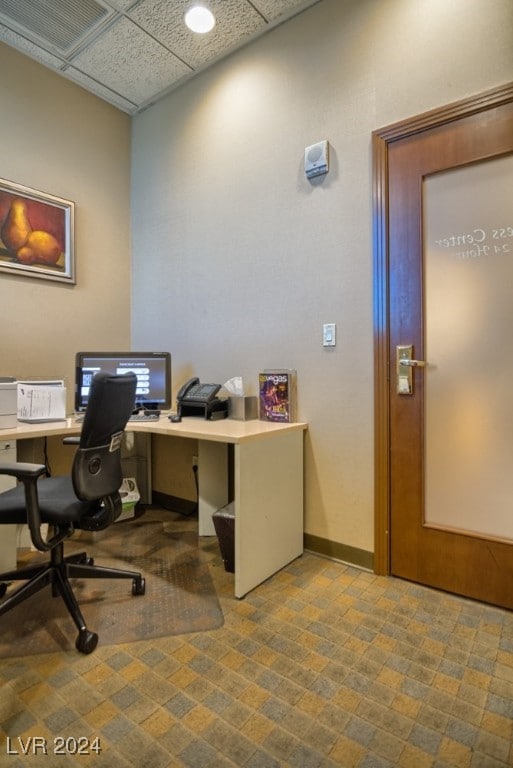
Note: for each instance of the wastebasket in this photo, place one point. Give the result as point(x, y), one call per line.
point(224, 523)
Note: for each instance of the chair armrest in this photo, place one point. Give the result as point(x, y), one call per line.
point(29, 474)
point(21, 470)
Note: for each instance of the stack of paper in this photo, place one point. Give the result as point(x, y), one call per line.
point(41, 401)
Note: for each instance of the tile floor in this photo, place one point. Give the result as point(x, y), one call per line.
point(323, 665)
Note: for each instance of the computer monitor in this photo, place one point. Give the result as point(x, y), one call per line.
point(153, 371)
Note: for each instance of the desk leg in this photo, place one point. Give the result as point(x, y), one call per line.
point(212, 482)
point(268, 507)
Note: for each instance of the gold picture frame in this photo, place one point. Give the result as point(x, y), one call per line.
point(36, 234)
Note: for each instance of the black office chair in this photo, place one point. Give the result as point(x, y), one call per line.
point(88, 500)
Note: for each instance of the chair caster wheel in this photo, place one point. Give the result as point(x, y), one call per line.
point(86, 641)
point(3, 589)
point(139, 586)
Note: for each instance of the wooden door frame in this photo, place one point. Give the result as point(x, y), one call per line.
point(381, 140)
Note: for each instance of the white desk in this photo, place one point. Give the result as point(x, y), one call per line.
point(268, 484)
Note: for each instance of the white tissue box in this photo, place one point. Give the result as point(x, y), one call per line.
point(243, 407)
point(129, 493)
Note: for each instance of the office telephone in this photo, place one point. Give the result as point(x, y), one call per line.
point(197, 399)
point(194, 391)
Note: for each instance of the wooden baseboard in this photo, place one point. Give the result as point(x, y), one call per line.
point(336, 551)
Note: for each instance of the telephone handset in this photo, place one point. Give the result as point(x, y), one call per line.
point(197, 399)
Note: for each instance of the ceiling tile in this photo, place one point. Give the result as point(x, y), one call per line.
point(133, 52)
point(273, 9)
point(236, 20)
point(130, 63)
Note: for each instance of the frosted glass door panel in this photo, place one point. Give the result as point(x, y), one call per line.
point(468, 272)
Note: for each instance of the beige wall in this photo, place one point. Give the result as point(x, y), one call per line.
point(239, 260)
point(56, 138)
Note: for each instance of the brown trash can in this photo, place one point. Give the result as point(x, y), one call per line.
point(224, 523)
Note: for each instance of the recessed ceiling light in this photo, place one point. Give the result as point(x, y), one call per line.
point(200, 19)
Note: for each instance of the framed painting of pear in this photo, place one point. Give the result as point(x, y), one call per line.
point(36, 234)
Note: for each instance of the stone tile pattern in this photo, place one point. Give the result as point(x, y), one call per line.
point(323, 665)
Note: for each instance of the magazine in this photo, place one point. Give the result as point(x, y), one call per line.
point(277, 394)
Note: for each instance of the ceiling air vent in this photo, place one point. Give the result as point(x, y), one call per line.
point(57, 24)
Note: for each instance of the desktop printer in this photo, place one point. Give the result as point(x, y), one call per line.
point(8, 402)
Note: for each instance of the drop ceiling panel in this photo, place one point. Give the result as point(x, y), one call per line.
point(132, 52)
point(236, 20)
point(274, 9)
point(130, 62)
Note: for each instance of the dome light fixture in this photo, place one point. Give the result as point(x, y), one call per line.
point(199, 19)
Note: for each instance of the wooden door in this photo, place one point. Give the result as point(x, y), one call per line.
point(422, 168)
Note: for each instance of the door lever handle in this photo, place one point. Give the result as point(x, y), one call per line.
point(404, 365)
point(412, 363)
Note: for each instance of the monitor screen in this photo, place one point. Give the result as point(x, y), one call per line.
point(153, 371)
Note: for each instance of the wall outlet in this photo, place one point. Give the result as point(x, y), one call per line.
point(195, 461)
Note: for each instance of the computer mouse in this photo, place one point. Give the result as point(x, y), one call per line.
point(175, 418)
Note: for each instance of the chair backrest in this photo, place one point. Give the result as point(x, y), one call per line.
point(97, 472)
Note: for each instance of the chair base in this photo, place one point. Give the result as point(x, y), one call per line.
point(57, 573)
